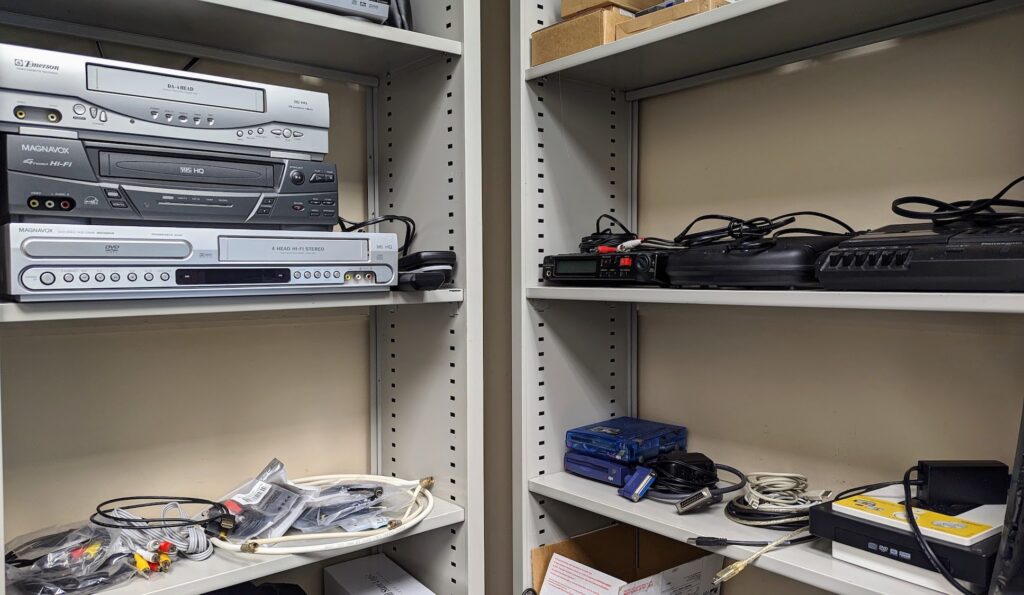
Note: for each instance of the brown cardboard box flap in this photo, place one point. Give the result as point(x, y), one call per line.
point(579, 33)
point(571, 7)
point(666, 15)
point(625, 552)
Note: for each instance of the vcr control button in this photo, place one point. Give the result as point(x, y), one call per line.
point(47, 278)
point(165, 276)
point(263, 211)
point(84, 277)
point(119, 204)
point(112, 193)
point(101, 277)
point(148, 276)
point(115, 277)
point(79, 109)
point(68, 277)
point(133, 277)
point(297, 177)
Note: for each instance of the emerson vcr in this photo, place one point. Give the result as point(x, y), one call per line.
point(97, 262)
point(97, 141)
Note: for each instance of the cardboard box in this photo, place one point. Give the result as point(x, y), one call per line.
point(571, 7)
point(579, 33)
point(666, 15)
point(623, 560)
point(371, 575)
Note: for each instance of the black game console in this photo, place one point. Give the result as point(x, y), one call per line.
point(925, 257)
point(612, 268)
point(771, 263)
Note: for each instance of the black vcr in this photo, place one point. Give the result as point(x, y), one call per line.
point(923, 257)
point(60, 180)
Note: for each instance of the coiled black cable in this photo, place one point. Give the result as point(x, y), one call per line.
point(606, 236)
point(755, 232)
point(106, 517)
point(983, 211)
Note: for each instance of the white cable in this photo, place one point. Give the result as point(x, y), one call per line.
point(191, 541)
point(737, 567)
point(420, 505)
point(779, 492)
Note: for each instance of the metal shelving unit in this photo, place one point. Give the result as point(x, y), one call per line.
point(263, 32)
point(223, 571)
point(808, 563)
point(995, 303)
point(423, 160)
point(41, 312)
point(576, 156)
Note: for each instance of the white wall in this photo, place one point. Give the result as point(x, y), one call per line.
point(846, 397)
point(186, 406)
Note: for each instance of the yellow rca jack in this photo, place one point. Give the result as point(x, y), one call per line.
point(33, 203)
point(20, 114)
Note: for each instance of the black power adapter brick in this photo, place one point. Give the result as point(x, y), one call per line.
point(962, 483)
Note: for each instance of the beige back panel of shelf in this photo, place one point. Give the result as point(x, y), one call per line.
point(844, 396)
point(187, 406)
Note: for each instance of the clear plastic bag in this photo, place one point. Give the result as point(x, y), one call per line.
point(267, 505)
point(353, 507)
point(334, 503)
point(75, 560)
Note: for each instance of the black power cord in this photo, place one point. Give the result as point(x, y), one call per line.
point(739, 511)
point(410, 227)
point(919, 537)
point(987, 210)
point(607, 236)
point(753, 233)
point(105, 517)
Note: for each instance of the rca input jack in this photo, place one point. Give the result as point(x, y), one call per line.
point(33, 203)
point(50, 204)
point(52, 117)
point(20, 114)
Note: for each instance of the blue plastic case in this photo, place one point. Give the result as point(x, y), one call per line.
point(597, 469)
point(626, 439)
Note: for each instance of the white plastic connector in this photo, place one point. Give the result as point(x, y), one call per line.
point(629, 245)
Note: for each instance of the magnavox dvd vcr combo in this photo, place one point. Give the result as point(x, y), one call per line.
point(96, 262)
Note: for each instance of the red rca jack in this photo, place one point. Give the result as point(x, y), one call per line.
point(45, 203)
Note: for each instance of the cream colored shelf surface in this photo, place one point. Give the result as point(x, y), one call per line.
point(809, 563)
point(996, 303)
point(11, 312)
point(747, 31)
point(226, 569)
point(264, 28)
